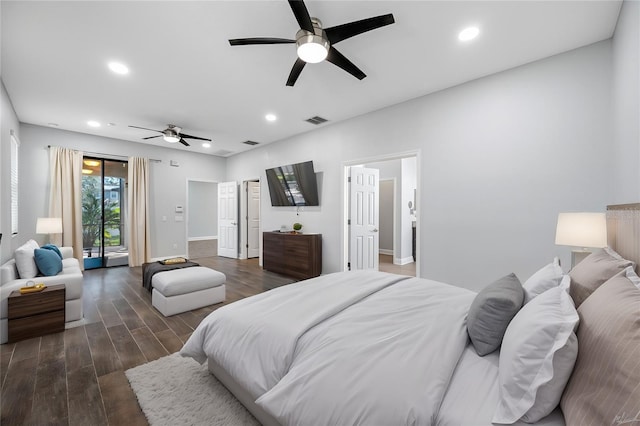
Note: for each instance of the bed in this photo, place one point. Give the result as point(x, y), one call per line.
point(379, 349)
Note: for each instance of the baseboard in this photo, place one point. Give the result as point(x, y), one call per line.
point(403, 261)
point(386, 251)
point(211, 237)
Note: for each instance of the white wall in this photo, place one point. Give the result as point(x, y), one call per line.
point(626, 105)
point(168, 184)
point(499, 158)
point(9, 122)
point(202, 209)
point(386, 215)
point(409, 180)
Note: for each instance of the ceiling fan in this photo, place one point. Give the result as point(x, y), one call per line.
point(315, 44)
point(172, 134)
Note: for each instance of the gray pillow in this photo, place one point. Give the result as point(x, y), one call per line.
point(593, 271)
point(492, 311)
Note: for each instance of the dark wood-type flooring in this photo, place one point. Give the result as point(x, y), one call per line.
point(77, 377)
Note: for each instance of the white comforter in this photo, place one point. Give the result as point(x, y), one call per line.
point(345, 348)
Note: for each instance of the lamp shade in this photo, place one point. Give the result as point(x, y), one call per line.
point(49, 225)
point(582, 230)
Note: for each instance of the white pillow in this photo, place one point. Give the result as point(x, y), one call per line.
point(547, 277)
point(632, 276)
point(537, 357)
point(565, 284)
point(25, 261)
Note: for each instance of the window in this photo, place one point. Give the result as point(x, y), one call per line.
point(15, 144)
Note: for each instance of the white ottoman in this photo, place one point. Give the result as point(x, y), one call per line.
point(182, 290)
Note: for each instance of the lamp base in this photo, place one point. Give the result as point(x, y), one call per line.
point(578, 256)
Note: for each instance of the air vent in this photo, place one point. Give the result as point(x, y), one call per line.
point(223, 152)
point(251, 143)
point(316, 120)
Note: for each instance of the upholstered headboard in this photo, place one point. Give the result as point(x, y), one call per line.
point(623, 230)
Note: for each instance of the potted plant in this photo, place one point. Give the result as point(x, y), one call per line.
point(297, 227)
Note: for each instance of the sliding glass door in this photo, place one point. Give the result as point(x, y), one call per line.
point(104, 184)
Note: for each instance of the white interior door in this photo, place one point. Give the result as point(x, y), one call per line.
point(364, 204)
point(253, 219)
point(228, 219)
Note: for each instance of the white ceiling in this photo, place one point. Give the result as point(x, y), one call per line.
point(183, 71)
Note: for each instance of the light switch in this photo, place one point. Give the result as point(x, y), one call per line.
point(179, 218)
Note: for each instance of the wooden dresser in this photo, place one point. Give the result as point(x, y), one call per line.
point(294, 255)
point(36, 314)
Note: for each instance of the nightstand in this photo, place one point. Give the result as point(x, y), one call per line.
point(36, 314)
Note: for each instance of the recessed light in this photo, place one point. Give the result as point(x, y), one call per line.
point(92, 163)
point(270, 117)
point(93, 123)
point(206, 145)
point(52, 124)
point(111, 124)
point(87, 171)
point(118, 68)
point(468, 34)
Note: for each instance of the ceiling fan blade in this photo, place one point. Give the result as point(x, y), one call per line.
point(295, 71)
point(302, 14)
point(145, 128)
point(338, 59)
point(345, 31)
point(184, 135)
point(183, 142)
point(259, 40)
point(151, 137)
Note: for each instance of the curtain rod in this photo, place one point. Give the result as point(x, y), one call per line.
point(107, 156)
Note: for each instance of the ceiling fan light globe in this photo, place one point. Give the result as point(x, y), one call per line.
point(171, 138)
point(312, 48)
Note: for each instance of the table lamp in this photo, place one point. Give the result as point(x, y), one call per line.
point(583, 230)
point(49, 225)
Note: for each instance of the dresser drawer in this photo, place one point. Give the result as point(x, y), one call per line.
point(36, 325)
point(26, 305)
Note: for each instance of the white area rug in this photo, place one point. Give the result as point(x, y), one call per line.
point(178, 391)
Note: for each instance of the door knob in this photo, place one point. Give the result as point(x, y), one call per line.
point(375, 230)
point(233, 223)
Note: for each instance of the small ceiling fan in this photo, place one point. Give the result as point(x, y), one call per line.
point(315, 44)
point(172, 134)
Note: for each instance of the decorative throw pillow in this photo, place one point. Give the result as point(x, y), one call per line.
point(25, 262)
point(53, 248)
point(49, 263)
point(491, 311)
point(537, 355)
point(548, 277)
point(593, 271)
point(604, 387)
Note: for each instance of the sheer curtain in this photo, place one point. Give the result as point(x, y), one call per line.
point(65, 197)
point(138, 211)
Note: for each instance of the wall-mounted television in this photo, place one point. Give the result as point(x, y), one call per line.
point(293, 185)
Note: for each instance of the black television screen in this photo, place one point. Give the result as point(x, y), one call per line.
point(293, 185)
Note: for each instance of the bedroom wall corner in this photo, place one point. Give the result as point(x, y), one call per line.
point(168, 184)
point(500, 157)
point(626, 105)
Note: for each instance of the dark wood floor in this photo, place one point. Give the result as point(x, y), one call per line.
point(77, 377)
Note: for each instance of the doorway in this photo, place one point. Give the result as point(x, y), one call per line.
point(395, 218)
point(202, 218)
point(104, 206)
point(253, 219)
